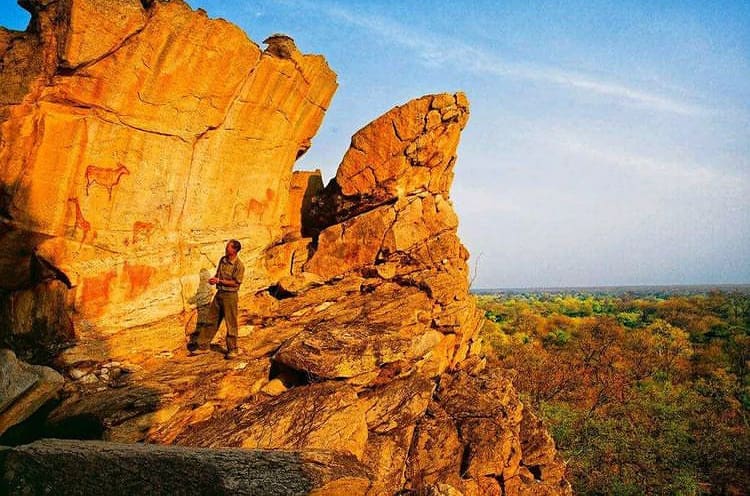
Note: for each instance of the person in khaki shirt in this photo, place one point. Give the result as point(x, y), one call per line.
point(228, 277)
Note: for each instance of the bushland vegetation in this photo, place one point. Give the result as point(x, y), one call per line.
point(642, 394)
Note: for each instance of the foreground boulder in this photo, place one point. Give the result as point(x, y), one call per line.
point(85, 468)
point(24, 389)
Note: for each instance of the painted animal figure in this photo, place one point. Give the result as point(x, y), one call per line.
point(142, 231)
point(108, 178)
point(81, 222)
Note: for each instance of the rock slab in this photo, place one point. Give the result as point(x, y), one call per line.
point(23, 389)
point(86, 468)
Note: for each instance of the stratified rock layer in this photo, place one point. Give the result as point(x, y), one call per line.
point(358, 331)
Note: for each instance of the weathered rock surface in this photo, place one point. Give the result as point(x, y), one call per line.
point(136, 138)
point(377, 357)
point(358, 332)
point(85, 468)
point(42, 325)
point(23, 389)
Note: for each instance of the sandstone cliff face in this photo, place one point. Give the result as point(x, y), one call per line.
point(136, 140)
point(358, 331)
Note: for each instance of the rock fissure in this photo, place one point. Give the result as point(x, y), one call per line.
point(69, 70)
point(121, 121)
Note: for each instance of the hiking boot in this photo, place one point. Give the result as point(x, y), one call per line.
point(199, 351)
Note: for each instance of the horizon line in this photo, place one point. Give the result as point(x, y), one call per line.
point(679, 285)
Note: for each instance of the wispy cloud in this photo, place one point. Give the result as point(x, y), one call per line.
point(434, 51)
point(657, 170)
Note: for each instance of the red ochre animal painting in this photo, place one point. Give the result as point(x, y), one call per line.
point(108, 178)
point(142, 231)
point(81, 222)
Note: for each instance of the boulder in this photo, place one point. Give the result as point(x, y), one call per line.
point(407, 150)
point(80, 467)
point(24, 389)
point(386, 456)
point(318, 416)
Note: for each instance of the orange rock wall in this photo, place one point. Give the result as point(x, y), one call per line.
point(138, 140)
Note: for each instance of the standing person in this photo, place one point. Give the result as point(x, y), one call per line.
point(227, 279)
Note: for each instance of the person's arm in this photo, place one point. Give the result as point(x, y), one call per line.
point(230, 283)
point(215, 278)
point(235, 281)
point(237, 276)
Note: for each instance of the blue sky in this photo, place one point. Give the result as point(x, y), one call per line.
point(609, 142)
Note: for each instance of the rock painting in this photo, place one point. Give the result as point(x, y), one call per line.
point(108, 178)
point(81, 223)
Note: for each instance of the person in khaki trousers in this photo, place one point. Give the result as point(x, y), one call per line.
point(228, 277)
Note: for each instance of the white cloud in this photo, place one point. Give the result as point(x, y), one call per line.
point(434, 51)
point(649, 168)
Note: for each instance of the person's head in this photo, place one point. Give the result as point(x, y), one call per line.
point(233, 247)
